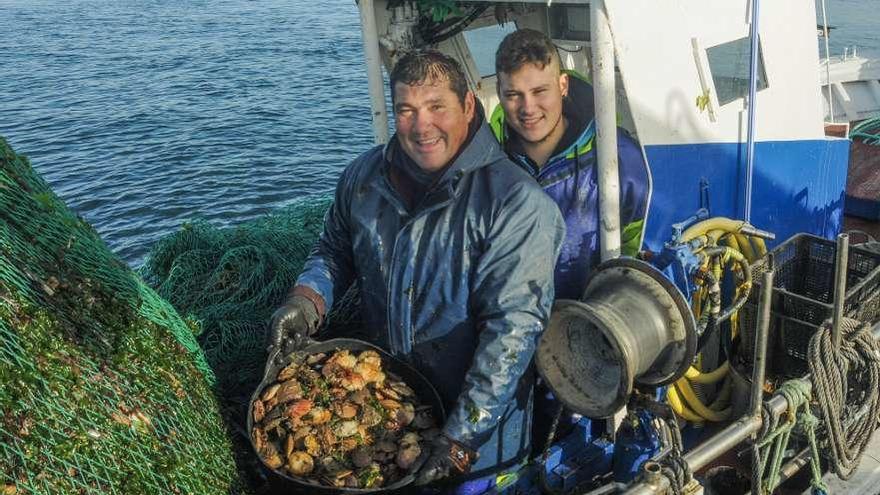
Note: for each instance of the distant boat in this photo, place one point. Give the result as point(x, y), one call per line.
point(855, 87)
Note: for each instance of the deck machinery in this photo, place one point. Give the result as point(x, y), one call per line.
point(654, 365)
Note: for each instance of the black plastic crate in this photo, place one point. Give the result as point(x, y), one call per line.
point(803, 297)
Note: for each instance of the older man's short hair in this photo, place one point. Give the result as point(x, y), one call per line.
point(426, 67)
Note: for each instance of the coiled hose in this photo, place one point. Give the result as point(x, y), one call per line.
point(738, 251)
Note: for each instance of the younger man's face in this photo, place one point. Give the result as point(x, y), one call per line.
point(531, 98)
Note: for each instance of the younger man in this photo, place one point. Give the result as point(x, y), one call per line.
point(547, 128)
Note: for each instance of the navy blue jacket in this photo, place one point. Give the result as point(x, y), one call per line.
point(570, 177)
point(461, 286)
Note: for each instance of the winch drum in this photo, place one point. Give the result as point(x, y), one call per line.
point(631, 326)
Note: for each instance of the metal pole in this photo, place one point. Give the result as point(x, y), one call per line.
point(827, 63)
point(722, 441)
point(652, 479)
point(794, 465)
point(707, 451)
point(760, 359)
point(840, 269)
point(763, 331)
point(753, 90)
point(374, 71)
point(602, 48)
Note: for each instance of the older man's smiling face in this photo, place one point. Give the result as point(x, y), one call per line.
point(432, 123)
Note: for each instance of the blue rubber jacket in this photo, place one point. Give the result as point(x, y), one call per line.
point(570, 178)
point(461, 287)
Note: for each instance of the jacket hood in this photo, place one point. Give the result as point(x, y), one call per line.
point(578, 107)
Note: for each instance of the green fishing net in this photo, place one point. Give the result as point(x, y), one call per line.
point(103, 387)
point(231, 280)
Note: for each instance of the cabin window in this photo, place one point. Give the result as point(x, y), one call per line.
point(729, 64)
point(569, 22)
point(483, 42)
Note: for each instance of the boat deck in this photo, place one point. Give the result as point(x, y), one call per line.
point(866, 479)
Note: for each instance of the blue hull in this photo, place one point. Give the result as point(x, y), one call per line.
point(799, 186)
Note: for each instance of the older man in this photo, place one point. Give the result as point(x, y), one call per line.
point(453, 248)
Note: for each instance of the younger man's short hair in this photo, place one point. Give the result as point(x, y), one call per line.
point(525, 46)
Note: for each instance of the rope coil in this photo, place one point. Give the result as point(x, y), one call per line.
point(849, 374)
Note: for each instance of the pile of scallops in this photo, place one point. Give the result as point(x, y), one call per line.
point(341, 420)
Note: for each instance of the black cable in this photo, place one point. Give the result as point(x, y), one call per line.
point(435, 34)
point(548, 442)
point(708, 324)
point(711, 329)
point(746, 280)
point(674, 467)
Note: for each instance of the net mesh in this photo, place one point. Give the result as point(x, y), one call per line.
point(103, 386)
point(230, 280)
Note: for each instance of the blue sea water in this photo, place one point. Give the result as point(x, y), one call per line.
point(856, 24)
point(145, 114)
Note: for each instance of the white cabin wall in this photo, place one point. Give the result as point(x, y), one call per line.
point(855, 88)
point(654, 41)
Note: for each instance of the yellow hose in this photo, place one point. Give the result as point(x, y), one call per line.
point(681, 396)
point(714, 376)
point(692, 401)
point(732, 242)
point(745, 247)
point(715, 412)
point(708, 225)
point(723, 400)
point(680, 409)
point(760, 246)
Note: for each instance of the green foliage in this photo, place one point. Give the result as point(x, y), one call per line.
point(440, 10)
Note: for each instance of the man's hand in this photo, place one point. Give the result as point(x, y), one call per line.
point(448, 458)
point(295, 321)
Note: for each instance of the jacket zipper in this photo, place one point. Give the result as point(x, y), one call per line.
point(392, 277)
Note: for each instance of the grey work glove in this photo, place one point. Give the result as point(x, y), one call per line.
point(293, 324)
point(448, 458)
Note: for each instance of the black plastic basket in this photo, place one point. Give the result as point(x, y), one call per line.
point(803, 297)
